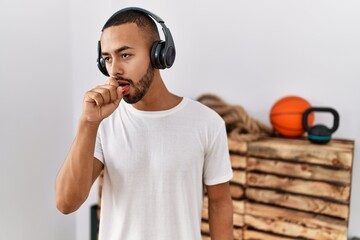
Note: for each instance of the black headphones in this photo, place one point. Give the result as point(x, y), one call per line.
point(320, 133)
point(162, 53)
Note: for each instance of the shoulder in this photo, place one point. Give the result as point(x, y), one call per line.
point(203, 113)
point(203, 109)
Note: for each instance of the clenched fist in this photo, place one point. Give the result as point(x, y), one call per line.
point(101, 102)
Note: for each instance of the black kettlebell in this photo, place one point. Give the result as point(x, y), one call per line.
point(320, 134)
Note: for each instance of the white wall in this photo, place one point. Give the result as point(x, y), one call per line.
point(249, 53)
point(36, 117)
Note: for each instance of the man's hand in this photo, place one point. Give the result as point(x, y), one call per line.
point(80, 169)
point(101, 102)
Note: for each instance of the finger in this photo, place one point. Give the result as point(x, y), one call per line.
point(112, 81)
point(105, 93)
point(112, 91)
point(94, 97)
point(120, 96)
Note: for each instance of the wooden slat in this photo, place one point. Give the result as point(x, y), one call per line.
point(238, 161)
point(255, 235)
point(205, 228)
point(237, 147)
point(308, 204)
point(238, 234)
point(205, 202)
point(205, 238)
point(294, 223)
point(299, 170)
point(303, 151)
point(238, 220)
point(334, 143)
point(239, 206)
point(319, 189)
point(205, 213)
point(236, 191)
point(342, 143)
point(239, 177)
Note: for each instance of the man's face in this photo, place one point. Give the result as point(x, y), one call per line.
point(127, 56)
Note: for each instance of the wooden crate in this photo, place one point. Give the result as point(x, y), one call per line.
point(289, 189)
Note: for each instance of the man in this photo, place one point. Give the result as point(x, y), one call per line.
point(157, 149)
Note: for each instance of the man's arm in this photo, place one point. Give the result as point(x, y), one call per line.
point(78, 172)
point(80, 169)
point(220, 212)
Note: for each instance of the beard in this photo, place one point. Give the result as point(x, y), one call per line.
point(139, 89)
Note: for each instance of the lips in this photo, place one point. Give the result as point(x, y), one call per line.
point(125, 86)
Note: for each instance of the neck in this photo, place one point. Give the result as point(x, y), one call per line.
point(158, 97)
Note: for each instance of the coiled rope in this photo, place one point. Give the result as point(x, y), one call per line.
point(239, 125)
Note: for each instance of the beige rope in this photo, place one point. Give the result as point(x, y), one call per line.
point(239, 125)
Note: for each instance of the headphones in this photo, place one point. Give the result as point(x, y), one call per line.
point(320, 133)
point(162, 53)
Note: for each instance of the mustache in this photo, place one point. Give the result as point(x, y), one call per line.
point(119, 78)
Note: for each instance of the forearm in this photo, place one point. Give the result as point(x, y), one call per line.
point(221, 220)
point(75, 178)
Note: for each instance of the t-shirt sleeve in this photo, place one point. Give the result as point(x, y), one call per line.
point(217, 165)
point(98, 152)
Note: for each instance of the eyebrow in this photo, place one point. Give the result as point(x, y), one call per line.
point(123, 48)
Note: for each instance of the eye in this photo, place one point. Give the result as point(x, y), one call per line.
point(106, 59)
point(125, 55)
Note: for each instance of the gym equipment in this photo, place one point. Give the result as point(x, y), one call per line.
point(319, 133)
point(286, 116)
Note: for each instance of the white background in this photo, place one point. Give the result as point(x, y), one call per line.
point(250, 53)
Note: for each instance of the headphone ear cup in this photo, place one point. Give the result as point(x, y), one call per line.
point(102, 67)
point(156, 55)
point(100, 61)
point(169, 56)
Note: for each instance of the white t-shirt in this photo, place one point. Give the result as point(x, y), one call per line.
point(155, 166)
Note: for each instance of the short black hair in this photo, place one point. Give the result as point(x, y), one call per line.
point(141, 19)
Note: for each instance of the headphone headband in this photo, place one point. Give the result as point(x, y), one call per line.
point(168, 37)
point(162, 52)
point(152, 15)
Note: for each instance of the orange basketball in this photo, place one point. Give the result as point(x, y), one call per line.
point(286, 116)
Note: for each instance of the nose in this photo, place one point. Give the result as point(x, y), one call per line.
point(115, 68)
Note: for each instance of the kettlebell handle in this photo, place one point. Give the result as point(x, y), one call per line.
point(321, 109)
